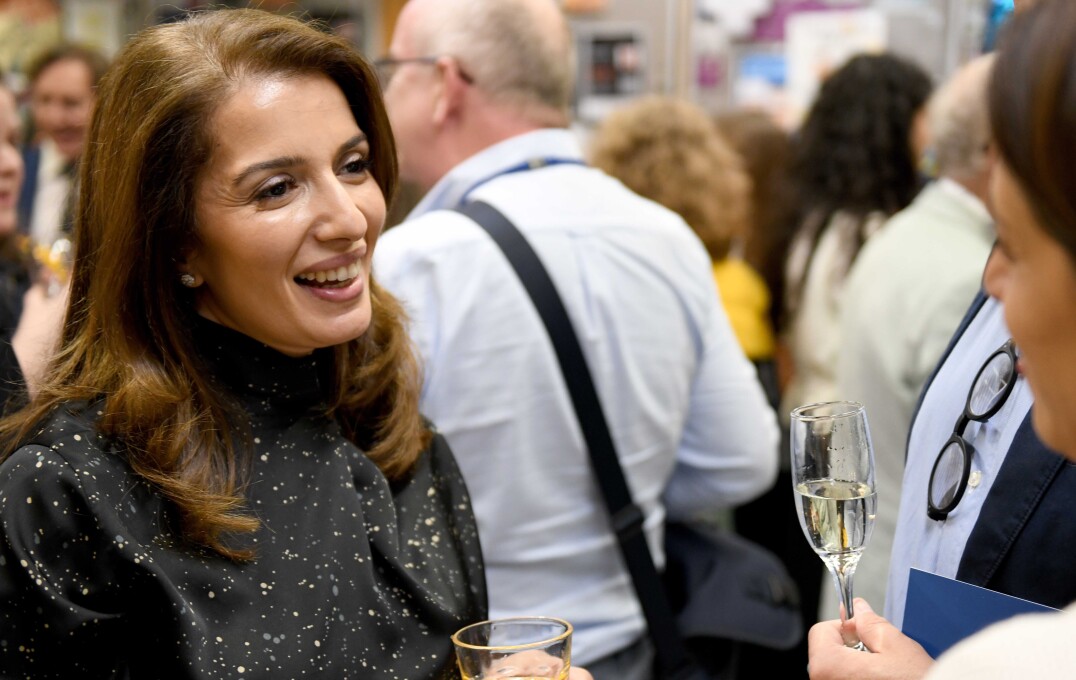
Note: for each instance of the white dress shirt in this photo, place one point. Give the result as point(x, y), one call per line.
point(686, 411)
point(937, 546)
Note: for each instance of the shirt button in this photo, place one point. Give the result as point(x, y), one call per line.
point(975, 478)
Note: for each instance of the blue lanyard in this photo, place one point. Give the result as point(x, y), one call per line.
point(531, 164)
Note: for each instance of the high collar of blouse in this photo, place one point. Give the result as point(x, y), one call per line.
point(262, 378)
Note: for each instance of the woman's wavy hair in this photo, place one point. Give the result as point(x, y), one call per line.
point(853, 153)
point(1032, 101)
point(670, 151)
point(127, 343)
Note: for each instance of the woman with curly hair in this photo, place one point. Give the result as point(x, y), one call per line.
point(668, 150)
point(854, 163)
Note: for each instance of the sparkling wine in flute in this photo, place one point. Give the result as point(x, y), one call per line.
point(833, 480)
point(837, 518)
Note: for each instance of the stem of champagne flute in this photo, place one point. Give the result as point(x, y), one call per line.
point(843, 581)
point(844, 589)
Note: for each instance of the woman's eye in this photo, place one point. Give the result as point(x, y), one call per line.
point(356, 166)
point(277, 189)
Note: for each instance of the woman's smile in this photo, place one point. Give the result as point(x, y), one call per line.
point(342, 284)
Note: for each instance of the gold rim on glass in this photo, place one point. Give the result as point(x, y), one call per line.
point(529, 645)
point(852, 408)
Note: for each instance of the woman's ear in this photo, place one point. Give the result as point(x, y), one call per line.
point(187, 269)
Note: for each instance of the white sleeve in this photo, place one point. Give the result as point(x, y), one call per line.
point(727, 454)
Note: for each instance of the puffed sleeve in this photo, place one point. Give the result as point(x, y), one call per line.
point(59, 613)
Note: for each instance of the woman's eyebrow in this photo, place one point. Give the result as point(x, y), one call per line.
point(290, 161)
point(353, 142)
point(271, 164)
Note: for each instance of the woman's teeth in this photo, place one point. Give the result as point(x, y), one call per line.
point(338, 275)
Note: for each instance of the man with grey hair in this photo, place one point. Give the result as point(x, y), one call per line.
point(908, 291)
point(478, 94)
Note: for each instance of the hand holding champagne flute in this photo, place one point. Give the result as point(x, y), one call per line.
point(833, 479)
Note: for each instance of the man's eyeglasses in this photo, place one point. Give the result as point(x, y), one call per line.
point(386, 68)
point(992, 386)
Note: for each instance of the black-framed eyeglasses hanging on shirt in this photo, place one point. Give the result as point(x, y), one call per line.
point(989, 390)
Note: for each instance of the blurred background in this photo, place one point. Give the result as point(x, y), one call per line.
point(722, 54)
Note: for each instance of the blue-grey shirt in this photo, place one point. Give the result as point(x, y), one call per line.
point(921, 542)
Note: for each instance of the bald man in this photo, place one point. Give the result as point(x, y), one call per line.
point(478, 93)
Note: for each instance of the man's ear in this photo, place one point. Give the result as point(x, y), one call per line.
point(454, 84)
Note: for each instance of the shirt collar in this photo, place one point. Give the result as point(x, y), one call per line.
point(969, 200)
point(493, 160)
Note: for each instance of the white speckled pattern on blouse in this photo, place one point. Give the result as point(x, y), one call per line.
point(355, 577)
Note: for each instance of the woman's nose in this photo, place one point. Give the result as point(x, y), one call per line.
point(338, 214)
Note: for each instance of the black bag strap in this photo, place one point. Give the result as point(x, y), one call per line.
point(626, 517)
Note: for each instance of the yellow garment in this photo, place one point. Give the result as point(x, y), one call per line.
point(747, 302)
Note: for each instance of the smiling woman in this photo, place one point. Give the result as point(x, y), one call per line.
point(225, 472)
point(287, 213)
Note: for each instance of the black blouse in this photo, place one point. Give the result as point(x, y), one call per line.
point(354, 576)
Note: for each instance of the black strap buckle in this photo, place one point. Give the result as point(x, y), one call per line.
point(627, 521)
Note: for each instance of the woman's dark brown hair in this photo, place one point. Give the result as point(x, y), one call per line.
point(1033, 112)
point(127, 342)
point(765, 149)
point(854, 153)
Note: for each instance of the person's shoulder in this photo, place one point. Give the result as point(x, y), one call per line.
point(429, 232)
point(66, 442)
point(920, 258)
point(937, 225)
point(433, 244)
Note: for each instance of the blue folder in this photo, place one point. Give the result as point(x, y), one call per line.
point(940, 612)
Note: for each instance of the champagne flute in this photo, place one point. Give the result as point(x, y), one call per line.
point(833, 478)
